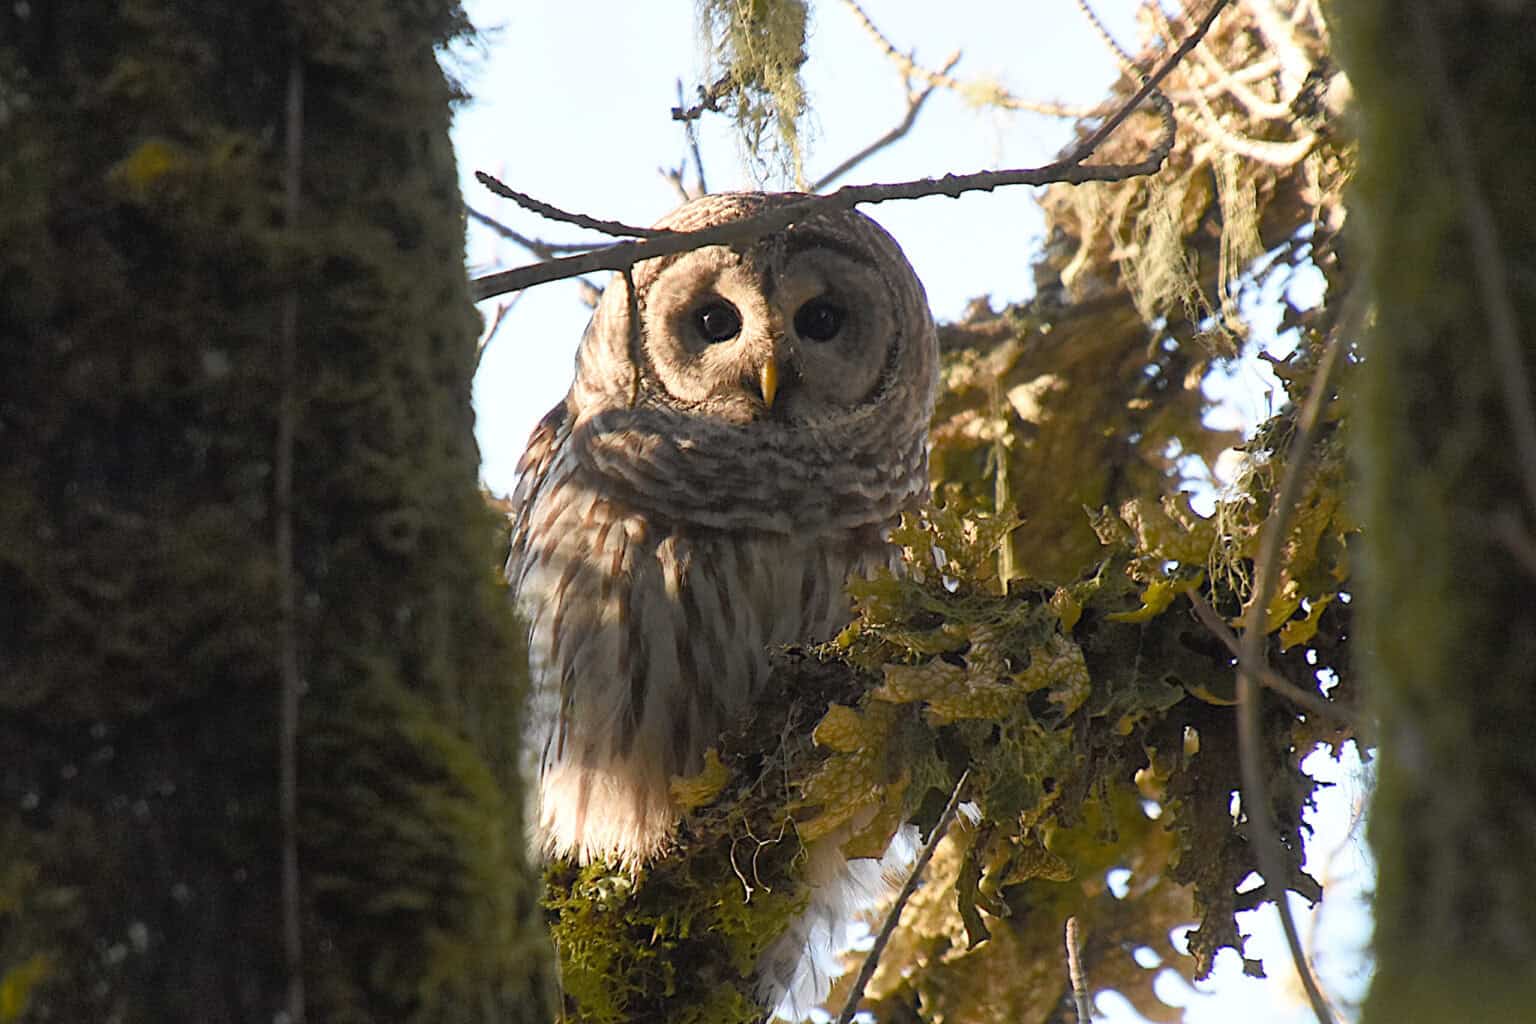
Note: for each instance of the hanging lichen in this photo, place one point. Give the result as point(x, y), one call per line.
point(757, 48)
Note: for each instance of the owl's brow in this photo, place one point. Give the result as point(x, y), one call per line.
point(795, 241)
point(801, 240)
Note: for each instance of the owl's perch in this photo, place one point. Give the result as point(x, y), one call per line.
point(1052, 700)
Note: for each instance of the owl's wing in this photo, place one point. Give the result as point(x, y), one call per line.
point(533, 469)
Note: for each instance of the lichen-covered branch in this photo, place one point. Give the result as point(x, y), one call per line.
point(1092, 705)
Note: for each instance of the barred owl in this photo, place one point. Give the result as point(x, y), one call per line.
point(742, 431)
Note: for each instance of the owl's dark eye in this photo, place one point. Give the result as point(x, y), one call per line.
point(717, 321)
point(819, 320)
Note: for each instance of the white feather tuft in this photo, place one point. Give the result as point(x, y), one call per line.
point(796, 971)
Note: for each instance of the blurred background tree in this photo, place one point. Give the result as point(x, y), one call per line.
point(248, 618)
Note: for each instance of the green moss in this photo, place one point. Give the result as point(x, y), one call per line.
point(141, 193)
point(1448, 619)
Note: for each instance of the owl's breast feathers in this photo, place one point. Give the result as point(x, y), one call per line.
point(648, 637)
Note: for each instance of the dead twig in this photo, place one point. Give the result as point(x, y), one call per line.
point(674, 177)
point(626, 254)
point(539, 247)
point(1205, 120)
point(692, 132)
point(691, 137)
point(982, 93)
point(915, 101)
point(1269, 677)
point(489, 334)
point(581, 220)
point(888, 926)
point(1126, 62)
point(1068, 169)
point(1250, 665)
point(709, 99)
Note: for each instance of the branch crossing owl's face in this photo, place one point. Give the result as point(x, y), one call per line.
point(796, 327)
point(783, 383)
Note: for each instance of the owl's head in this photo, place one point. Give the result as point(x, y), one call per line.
point(812, 343)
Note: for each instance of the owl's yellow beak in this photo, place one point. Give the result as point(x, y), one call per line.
point(768, 381)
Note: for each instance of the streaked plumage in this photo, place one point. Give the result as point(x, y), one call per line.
point(715, 474)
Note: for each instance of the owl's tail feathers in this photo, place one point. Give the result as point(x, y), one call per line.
point(796, 971)
point(621, 813)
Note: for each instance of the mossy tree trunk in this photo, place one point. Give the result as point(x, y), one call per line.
point(1450, 611)
point(146, 264)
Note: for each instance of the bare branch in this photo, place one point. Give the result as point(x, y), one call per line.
point(626, 254)
point(691, 134)
point(1266, 842)
point(1127, 64)
point(709, 99)
point(915, 101)
point(872, 958)
point(489, 334)
point(993, 95)
point(1268, 676)
point(1225, 81)
point(674, 177)
point(581, 220)
point(1205, 120)
point(1068, 169)
point(1075, 974)
point(538, 246)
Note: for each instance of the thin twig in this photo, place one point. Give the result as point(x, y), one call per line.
point(691, 132)
point(994, 95)
point(1204, 119)
point(709, 99)
point(1487, 258)
point(1224, 81)
point(1266, 841)
point(1125, 60)
point(872, 958)
point(626, 254)
point(502, 309)
point(1075, 973)
point(541, 248)
point(674, 176)
point(915, 101)
point(608, 227)
point(1068, 169)
point(288, 625)
point(1267, 675)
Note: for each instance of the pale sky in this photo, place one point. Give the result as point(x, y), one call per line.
point(572, 104)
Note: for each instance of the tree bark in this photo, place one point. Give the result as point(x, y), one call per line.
point(152, 274)
point(1447, 218)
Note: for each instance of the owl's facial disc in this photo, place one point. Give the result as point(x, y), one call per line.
point(799, 335)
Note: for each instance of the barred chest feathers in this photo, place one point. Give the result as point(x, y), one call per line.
point(745, 421)
point(661, 631)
